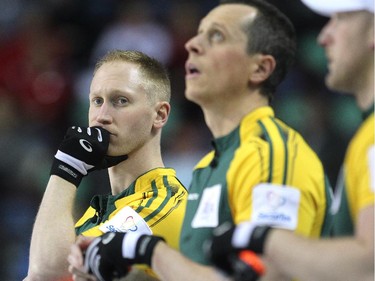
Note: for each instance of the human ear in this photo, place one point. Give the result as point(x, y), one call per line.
point(163, 109)
point(264, 65)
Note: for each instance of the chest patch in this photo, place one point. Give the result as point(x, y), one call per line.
point(126, 220)
point(276, 205)
point(207, 214)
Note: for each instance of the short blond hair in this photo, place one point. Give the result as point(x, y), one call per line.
point(157, 83)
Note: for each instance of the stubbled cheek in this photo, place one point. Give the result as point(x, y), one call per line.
point(90, 114)
point(233, 62)
point(91, 119)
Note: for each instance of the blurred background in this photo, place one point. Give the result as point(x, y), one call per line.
point(47, 52)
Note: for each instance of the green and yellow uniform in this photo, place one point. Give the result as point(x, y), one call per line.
point(263, 171)
point(355, 189)
point(157, 197)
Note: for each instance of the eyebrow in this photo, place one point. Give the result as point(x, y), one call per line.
point(213, 25)
point(112, 92)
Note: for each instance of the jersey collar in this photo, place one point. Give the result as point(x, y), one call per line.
point(368, 112)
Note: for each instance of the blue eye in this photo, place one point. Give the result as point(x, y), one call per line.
point(121, 101)
point(97, 101)
point(216, 36)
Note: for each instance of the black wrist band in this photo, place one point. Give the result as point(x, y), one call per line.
point(145, 248)
point(66, 172)
point(258, 238)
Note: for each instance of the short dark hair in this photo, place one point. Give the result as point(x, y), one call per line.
point(271, 33)
point(157, 82)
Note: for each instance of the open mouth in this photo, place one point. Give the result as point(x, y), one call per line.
point(191, 69)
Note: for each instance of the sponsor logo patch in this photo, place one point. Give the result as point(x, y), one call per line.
point(126, 220)
point(207, 214)
point(276, 205)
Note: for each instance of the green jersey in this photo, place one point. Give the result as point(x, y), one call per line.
point(262, 171)
point(355, 189)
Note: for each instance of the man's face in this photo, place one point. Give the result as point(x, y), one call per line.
point(218, 66)
point(119, 103)
point(348, 41)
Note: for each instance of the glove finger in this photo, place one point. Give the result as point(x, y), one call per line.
point(90, 253)
point(72, 132)
point(91, 134)
point(110, 161)
point(101, 134)
point(96, 269)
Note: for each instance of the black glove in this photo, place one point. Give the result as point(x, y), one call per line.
point(247, 266)
point(111, 255)
point(228, 241)
point(83, 150)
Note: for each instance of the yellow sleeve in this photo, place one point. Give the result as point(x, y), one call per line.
point(359, 168)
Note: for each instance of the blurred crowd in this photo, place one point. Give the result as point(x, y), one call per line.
point(48, 49)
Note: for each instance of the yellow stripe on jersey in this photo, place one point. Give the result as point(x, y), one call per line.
point(272, 152)
point(205, 161)
point(357, 168)
point(278, 152)
point(157, 196)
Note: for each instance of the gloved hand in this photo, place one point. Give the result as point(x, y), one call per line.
point(228, 241)
point(83, 150)
point(247, 266)
point(111, 255)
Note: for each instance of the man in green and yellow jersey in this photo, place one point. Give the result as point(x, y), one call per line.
point(129, 105)
point(260, 169)
point(348, 40)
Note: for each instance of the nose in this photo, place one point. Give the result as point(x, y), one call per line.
point(103, 115)
point(193, 45)
point(325, 35)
